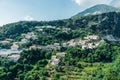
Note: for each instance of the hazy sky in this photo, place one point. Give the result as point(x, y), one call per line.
point(16, 10)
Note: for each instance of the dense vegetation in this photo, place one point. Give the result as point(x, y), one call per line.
point(96, 64)
point(103, 62)
point(31, 66)
point(106, 52)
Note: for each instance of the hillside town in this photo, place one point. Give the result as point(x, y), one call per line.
point(13, 53)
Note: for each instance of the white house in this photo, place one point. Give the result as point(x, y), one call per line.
point(14, 57)
point(61, 54)
point(94, 37)
point(4, 42)
point(14, 47)
point(3, 53)
point(23, 41)
point(33, 47)
point(54, 60)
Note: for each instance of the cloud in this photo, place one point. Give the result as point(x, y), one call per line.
point(80, 2)
point(115, 3)
point(28, 18)
point(91, 2)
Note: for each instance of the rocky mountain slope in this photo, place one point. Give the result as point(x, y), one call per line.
point(97, 9)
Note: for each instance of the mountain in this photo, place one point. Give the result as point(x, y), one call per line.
point(97, 9)
point(103, 24)
point(68, 49)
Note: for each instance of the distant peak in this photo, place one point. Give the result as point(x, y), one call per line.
point(101, 5)
point(97, 9)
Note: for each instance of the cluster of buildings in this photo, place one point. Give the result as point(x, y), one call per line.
point(27, 37)
point(55, 46)
point(41, 28)
point(90, 41)
point(12, 54)
point(55, 59)
point(6, 41)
